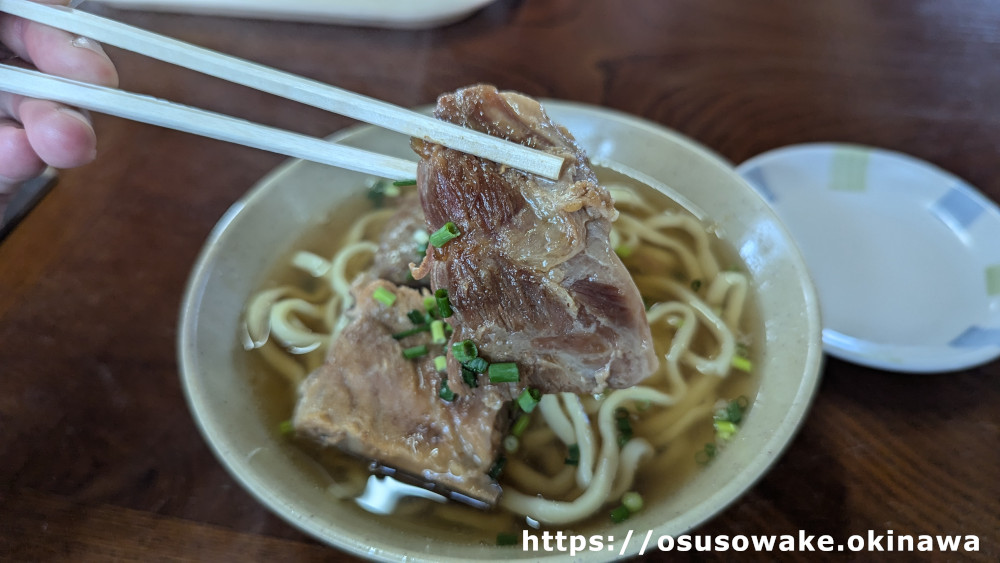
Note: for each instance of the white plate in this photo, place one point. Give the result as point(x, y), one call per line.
point(905, 256)
point(406, 14)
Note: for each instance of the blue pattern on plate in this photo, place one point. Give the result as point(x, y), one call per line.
point(755, 176)
point(977, 337)
point(957, 208)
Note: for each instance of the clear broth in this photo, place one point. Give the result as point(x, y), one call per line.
point(277, 397)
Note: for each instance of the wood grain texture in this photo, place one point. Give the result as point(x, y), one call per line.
point(99, 458)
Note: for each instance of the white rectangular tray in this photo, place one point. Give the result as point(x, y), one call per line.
point(405, 14)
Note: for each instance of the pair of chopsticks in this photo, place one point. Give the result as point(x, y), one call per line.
point(163, 113)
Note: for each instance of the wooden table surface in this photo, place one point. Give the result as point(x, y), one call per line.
point(99, 457)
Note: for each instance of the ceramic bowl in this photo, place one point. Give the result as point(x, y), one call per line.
point(262, 226)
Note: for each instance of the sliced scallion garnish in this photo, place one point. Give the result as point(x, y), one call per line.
point(411, 332)
point(725, 429)
point(478, 365)
point(401, 183)
point(497, 468)
point(431, 305)
point(520, 425)
point(446, 393)
point(528, 399)
point(632, 501)
point(624, 426)
point(741, 363)
point(417, 317)
point(469, 377)
point(504, 538)
point(443, 303)
point(511, 443)
point(384, 296)
point(440, 363)
point(706, 454)
point(414, 352)
point(504, 372)
point(732, 412)
point(464, 351)
point(619, 515)
point(574, 455)
point(437, 332)
point(447, 232)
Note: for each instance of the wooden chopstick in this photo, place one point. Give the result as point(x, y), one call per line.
point(154, 111)
point(288, 86)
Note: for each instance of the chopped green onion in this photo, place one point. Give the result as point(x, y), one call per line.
point(632, 501)
point(624, 426)
point(440, 363)
point(430, 304)
point(384, 296)
point(286, 427)
point(392, 190)
point(497, 468)
point(504, 372)
point(469, 377)
point(441, 236)
point(400, 183)
point(416, 317)
point(510, 443)
point(437, 332)
point(478, 365)
point(464, 351)
point(443, 303)
point(619, 515)
point(732, 412)
point(528, 399)
point(446, 393)
point(414, 352)
point(725, 429)
point(520, 425)
point(503, 538)
point(695, 285)
point(623, 251)
point(574, 455)
point(376, 193)
point(705, 455)
point(742, 364)
point(742, 402)
point(411, 332)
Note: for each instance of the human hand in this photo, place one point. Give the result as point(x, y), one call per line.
point(38, 133)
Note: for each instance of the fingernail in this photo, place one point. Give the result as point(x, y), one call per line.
point(89, 44)
point(74, 113)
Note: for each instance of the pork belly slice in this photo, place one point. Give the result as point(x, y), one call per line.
point(398, 246)
point(532, 278)
point(370, 401)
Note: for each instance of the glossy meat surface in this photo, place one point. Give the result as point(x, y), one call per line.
point(532, 278)
point(369, 400)
point(399, 246)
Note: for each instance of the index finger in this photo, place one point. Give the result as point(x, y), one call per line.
point(57, 52)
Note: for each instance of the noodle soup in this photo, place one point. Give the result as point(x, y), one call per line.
point(655, 436)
